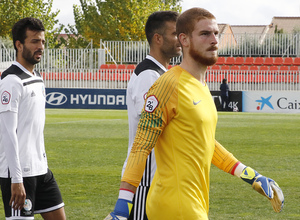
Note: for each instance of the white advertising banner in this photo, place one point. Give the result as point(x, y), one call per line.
point(271, 101)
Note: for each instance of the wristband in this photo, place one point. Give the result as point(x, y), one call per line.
point(238, 169)
point(126, 194)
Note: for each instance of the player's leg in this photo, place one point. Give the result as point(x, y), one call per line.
point(49, 201)
point(58, 214)
point(222, 102)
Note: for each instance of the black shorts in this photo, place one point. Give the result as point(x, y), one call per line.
point(42, 195)
point(138, 211)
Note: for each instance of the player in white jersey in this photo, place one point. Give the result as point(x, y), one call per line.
point(28, 186)
point(161, 34)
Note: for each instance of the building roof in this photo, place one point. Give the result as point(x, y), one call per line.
point(249, 29)
point(287, 24)
point(222, 28)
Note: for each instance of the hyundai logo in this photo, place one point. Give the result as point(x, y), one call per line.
point(56, 98)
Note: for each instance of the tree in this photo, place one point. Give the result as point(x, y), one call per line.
point(72, 38)
point(14, 10)
point(121, 20)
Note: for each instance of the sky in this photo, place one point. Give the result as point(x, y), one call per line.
point(233, 12)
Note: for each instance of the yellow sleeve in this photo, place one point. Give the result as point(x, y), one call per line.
point(162, 97)
point(222, 158)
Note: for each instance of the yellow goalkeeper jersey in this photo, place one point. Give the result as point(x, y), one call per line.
point(179, 119)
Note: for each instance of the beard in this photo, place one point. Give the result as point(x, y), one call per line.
point(170, 49)
point(29, 56)
point(200, 58)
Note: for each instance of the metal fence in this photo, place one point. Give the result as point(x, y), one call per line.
point(243, 45)
point(81, 68)
point(254, 80)
point(254, 45)
point(237, 81)
point(58, 60)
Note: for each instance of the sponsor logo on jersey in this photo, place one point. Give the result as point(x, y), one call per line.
point(56, 98)
point(32, 94)
point(5, 98)
point(196, 103)
point(151, 103)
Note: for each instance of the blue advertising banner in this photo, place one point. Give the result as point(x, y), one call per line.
point(86, 98)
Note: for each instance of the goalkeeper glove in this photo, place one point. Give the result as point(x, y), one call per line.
point(263, 185)
point(123, 206)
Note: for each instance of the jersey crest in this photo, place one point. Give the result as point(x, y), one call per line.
point(151, 104)
point(5, 98)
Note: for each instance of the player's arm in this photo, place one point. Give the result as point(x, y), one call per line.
point(133, 173)
point(124, 203)
point(10, 142)
point(142, 85)
point(130, 181)
point(265, 186)
point(152, 122)
point(137, 94)
point(11, 91)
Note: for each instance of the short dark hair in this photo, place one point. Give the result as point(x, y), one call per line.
point(156, 22)
point(187, 20)
point(20, 28)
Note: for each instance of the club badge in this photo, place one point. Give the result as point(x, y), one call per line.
point(5, 98)
point(151, 104)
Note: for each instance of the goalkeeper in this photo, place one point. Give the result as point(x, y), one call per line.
point(179, 119)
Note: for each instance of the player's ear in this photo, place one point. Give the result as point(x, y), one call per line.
point(157, 38)
point(184, 40)
point(19, 46)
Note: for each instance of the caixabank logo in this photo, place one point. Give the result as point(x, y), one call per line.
point(275, 102)
point(264, 102)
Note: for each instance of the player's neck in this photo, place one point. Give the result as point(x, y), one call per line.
point(165, 61)
point(195, 69)
point(25, 64)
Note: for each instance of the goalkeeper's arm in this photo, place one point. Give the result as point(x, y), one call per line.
point(266, 186)
point(124, 203)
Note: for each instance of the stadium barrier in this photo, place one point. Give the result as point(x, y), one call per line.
point(271, 102)
point(242, 101)
point(242, 80)
point(86, 98)
point(86, 68)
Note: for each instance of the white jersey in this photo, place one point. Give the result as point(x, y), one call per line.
point(22, 115)
point(145, 74)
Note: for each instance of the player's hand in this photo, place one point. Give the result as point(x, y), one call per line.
point(264, 186)
point(112, 216)
point(18, 196)
point(122, 210)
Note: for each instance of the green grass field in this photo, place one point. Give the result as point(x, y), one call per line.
point(86, 150)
